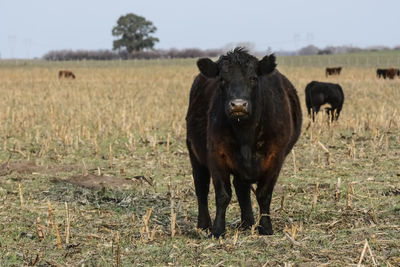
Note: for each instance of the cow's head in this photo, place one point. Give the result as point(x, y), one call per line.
point(239, 75)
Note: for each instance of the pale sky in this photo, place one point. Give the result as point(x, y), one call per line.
point(30, 28)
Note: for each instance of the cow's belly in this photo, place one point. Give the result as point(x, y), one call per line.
point(251, 168)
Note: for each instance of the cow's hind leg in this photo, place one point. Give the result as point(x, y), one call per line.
point(337, 112)
point(309, 110)
point(329, 112)
point(201, 176)
point(315, 110)
point(313, 114)
point(243, 194)
point(333, 114)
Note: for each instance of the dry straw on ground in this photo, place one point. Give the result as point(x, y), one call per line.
point(335, 203)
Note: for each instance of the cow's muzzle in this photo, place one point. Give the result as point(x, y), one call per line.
point(238, 108)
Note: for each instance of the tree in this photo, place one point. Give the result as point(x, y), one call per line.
point(134, 33)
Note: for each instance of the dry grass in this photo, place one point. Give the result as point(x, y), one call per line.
point(338, 189)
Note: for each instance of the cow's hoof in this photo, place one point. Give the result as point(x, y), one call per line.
point(204, 223)
point(246, 224)
point(216, 233)
point(265, 231)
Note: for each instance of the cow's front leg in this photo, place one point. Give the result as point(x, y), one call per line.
point(243, 195)
point(264, 196)
point(223, 194)
point(201, 177)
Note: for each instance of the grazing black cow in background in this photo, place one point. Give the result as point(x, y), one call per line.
point(333, 71)
point(319, 93)
point(243, 118)
point(381, 73)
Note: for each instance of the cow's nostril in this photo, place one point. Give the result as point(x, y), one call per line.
point(239, 104)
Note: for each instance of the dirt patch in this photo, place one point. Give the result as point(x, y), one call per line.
point(92, 181)
point(29, 167)
point(23, 167)
point(60, 168)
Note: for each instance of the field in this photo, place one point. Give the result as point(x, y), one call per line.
point(95, 171)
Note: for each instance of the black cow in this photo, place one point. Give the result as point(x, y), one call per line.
point(243, 118)
point(319, 93)
point(381, 73)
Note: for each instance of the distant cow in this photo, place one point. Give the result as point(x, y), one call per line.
point(391, 73)
point(387, 73)
point(243, 119)
point(333, 71)
point(320, 93)
point(381, 73)
point(66, 74)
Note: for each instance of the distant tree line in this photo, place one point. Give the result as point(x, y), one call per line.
point(329, 50)
point(62, 55)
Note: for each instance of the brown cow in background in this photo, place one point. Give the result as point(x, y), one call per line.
point(333, 71)
point(66, 74)
point(391, 73)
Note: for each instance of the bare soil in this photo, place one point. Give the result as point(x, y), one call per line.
point(92, 181)
point(30, 167)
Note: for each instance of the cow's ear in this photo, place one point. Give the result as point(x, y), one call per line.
point(207, 67)
point(266, 65)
